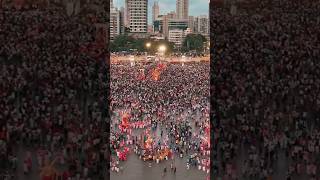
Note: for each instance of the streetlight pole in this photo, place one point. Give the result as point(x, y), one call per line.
point(148, 45)
point(162, 49)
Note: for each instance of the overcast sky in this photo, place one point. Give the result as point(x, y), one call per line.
point(196, 7)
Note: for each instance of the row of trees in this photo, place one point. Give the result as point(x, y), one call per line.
point(192, 42)
point(128, 43)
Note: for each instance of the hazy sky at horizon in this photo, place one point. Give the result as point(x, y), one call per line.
point(196, 7)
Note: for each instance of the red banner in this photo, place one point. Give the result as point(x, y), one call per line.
point(155, 75)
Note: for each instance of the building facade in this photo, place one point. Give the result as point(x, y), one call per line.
point(176, 36)
point(178, 24)
point(191, 23)
point(164, 23)
point(201, 25)
point(115, 22)
point(137, 15)
point(126, 14)
point(122, 20)
point(182, 9)
point(155, 11)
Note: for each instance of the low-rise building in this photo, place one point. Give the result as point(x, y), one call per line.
point(176, 36)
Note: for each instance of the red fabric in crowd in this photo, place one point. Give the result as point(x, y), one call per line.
point(47, 178)
point(66, 175)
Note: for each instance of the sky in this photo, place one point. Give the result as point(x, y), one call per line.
point(196, 7)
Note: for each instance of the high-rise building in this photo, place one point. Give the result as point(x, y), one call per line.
point(164, 23)
point(172, 15)
point(111, 4)
point(191, 23)
point(201, 25)
point(182, 9)
point(155, 11)
point(115, 22)
point(137, 15)
point(157, 24)
point(122, 19)
point(126, 14)
point(178, 24)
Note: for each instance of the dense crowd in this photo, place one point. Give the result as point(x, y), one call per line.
point(266, 90)
point(266, 95)
point(53, 106)
point(168, 114)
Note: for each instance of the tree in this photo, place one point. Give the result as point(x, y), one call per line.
point(126, 29)
point(139, 45)
point(155, 45)
point(122, 43)
point(193, 42)
point(125, 43)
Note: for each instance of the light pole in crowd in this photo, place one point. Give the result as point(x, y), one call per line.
point(148, 45)
point(183, 59)
point(131, 58)
point(162, 49)
point(206, 47)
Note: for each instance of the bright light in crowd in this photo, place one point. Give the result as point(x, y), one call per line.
point(162, 48)
point(148, 45)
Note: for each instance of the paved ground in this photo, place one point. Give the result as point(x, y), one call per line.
point(136, 169)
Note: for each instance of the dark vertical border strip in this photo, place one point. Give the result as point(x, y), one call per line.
point(214, 91)
point(107, 94)
point(211, 93)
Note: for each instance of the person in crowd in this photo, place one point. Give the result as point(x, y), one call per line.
point(266, 88)
point(52, 94)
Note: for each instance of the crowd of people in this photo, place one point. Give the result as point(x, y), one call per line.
point(265, 118)
point(266, 90)
point(53, 101)
point(160, 118)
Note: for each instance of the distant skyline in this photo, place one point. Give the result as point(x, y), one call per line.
point(196, 7)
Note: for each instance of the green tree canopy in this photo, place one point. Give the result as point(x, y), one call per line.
point(125, 43)
point(194, 42)
point(155, 45)
point(122, 43)
point(139, 45)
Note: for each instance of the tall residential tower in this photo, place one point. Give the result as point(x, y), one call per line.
point(137, 13)
point(115, 21)
point(155, 11)
point(182, 9)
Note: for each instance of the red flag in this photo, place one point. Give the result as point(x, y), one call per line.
point(47, 178)
point(124, 122)
point(155, 75)
point(161, 66)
